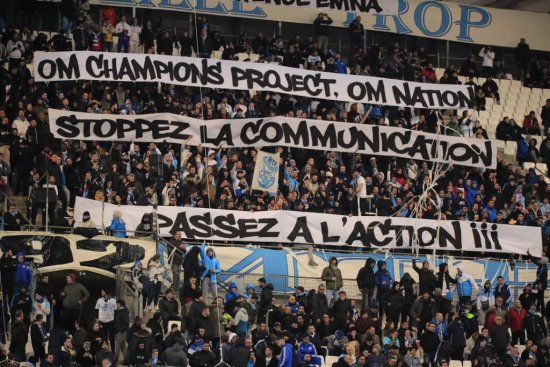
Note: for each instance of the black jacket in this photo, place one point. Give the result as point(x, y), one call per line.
point(237, 356)
point(426, 279)
point(319, 306)
point(37, 338)
point(266, 297)
point(365, 276)
point(429, 341)
point(19, 336)
point(168, 307)
point(122, 320)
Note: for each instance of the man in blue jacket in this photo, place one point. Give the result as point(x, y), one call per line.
point(211, 268)
point(23, 273)
point(383, 280)
point(287, 351)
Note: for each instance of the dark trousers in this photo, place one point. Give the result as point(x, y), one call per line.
point(68, 317)
point(518, 337)
point(39, 352)
point(108, 332)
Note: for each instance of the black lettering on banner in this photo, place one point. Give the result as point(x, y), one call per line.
point(94, 63)
point(143, 126)
point(59, 69)
point(165, 222)
point(201, 225)
point(490, 240)
point(145, 71)
point(126, 71)
point(358, 233)
point(426, 242)
point(324, 139)
point(419, 146)
point(99, 128)
point(327, 238)
point(494, 237)
point(225, 136)
point(66, 126)
point(247, 228)
point(301, 230)
point(268, 224)
point(124, 126)
point(161, 130)
point(384, 228)
point(225, 226)
point(454, 239)
point(182, 224)
point(389, 141)
point(296, 134)
point(254, 127)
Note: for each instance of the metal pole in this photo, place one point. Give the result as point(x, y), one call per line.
point(447, 52)
point(47, 199)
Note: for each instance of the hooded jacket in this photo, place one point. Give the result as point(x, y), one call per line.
point(191, 266)
point(23, 273)
point(426, 278)
point(365, 276)
point(209, 263)
point(382, 276)
point(329, 272)
point(465, 284)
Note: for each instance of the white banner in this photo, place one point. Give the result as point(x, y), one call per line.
point(299, 227)
point(275, 131)
point(224, 74)
point(266, 172)
point(386, 7)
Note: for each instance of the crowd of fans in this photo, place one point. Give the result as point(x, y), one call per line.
point(315, 181)
point(178, 175)
point(429, 322)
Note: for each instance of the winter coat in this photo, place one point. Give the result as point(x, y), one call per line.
point(191, 265)
point(168, 308)
point(457, 333)
point(117, 227)
point(426, 278)
point(23, 273)
point(175, 356)
point(74, 293)
point(332, 272)
point(465, 285)
point(365, 276)
point(209, 263)
point(382, 276)
point(320, 306)
point(285, 357)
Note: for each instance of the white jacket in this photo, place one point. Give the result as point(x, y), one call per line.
point(487, 56)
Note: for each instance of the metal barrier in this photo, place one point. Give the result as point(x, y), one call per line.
point(126, 291)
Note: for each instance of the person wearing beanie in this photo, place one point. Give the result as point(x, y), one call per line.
point(87, 227)
point(23, 273)
point(74, 296)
